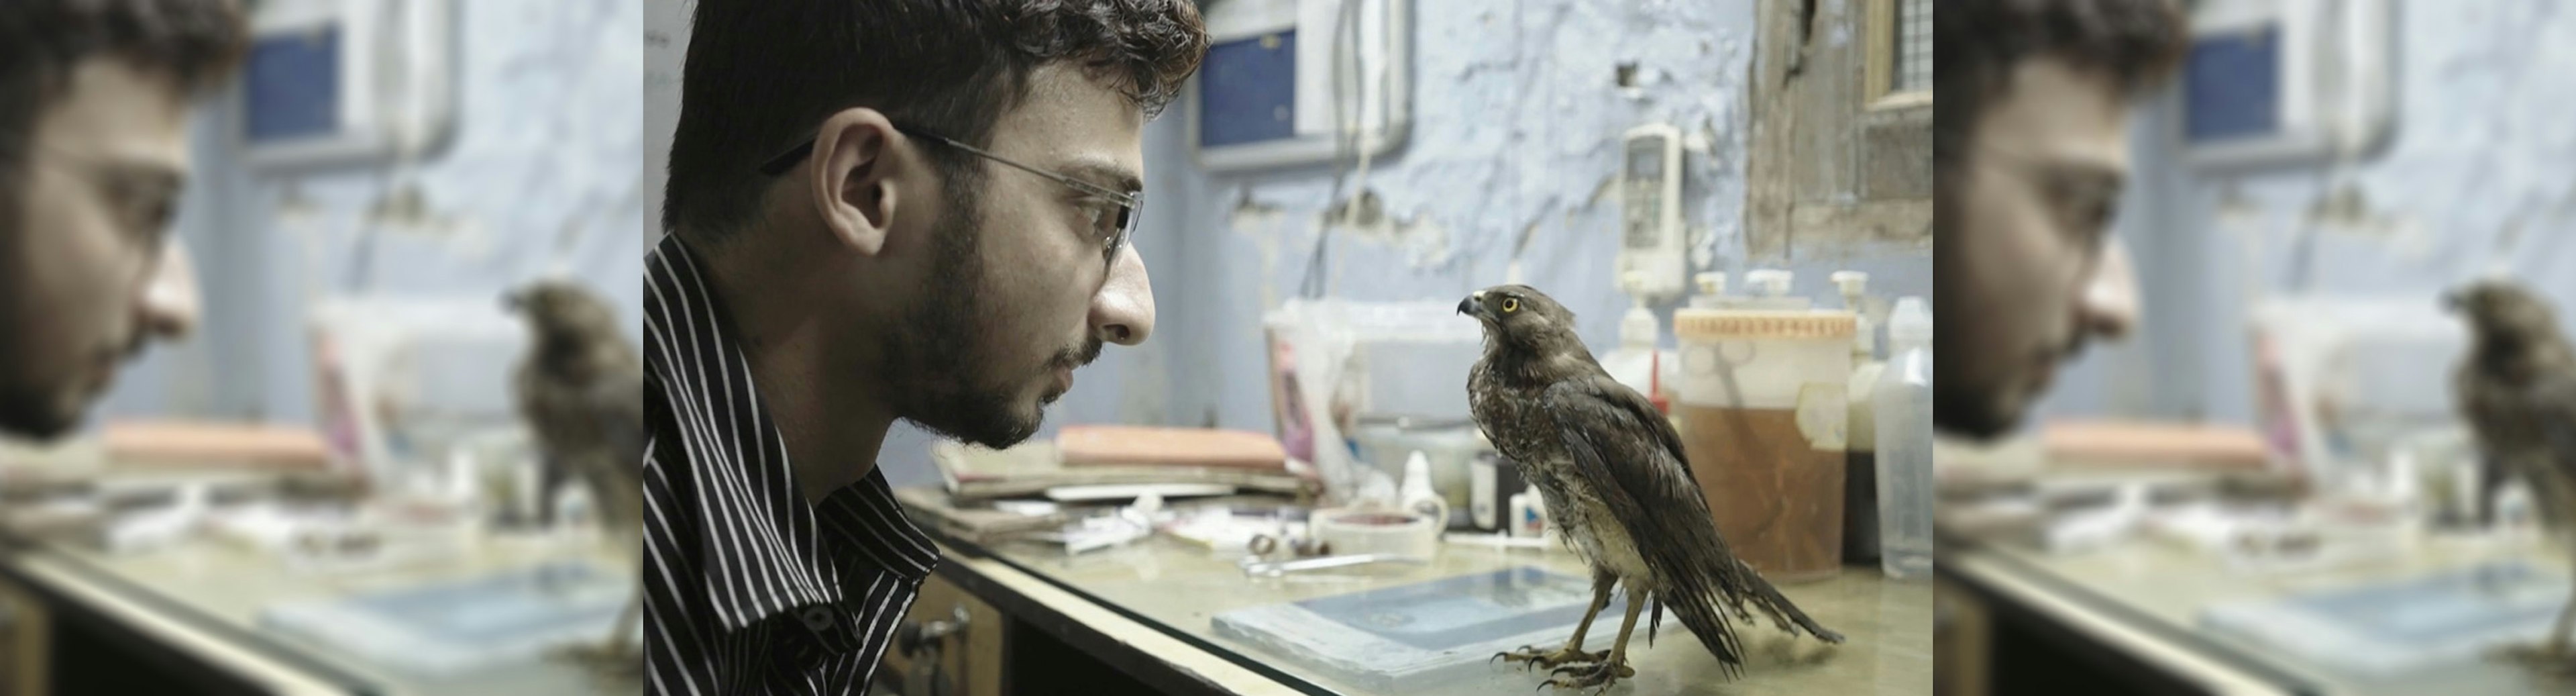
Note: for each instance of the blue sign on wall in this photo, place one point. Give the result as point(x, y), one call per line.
point(294, 86)
point(2232, 86)
point(1248, 90)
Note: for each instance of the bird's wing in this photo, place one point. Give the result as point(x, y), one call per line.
point(2555, 412)
point(1633, 458)
point(620, 407)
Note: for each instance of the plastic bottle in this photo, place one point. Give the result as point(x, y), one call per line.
point(1860, 473)
point(1712, 290)
point(1904, 430)
point(1416, 492)
point(1769, 289)
point(1633, 362)
point(2515, 522)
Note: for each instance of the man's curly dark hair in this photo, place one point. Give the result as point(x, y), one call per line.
point(763, 73)
point(196, 43)
point(1977, 43)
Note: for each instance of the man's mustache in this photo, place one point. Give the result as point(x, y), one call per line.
point(1072, 359)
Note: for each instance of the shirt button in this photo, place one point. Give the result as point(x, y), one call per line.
point(818, 619)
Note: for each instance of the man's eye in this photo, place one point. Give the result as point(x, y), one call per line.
point(2097, 215)
point(1101, 216)
point(2089, 216)
point(154, 215)
point(148, 217)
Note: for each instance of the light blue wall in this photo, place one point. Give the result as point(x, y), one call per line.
point(1517, 122)
point(2485, 144)
point(548, 136)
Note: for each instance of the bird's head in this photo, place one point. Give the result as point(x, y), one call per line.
point(1519, 315)
point(2498, 309)
point(562, 310)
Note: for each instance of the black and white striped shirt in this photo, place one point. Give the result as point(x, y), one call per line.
point(748, 589)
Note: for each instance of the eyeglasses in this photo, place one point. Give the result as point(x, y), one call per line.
point(1114, 226)
point(142, 199)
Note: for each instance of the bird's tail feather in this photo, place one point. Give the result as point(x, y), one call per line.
point(1704, 599)
point(1699, 612)
point(1769, 600)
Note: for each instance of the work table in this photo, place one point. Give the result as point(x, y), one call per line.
point(1165, 593)
point(199, 602)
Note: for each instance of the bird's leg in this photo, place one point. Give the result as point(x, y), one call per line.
point(1608, 672)
point(626, 620)
point(2552, 655)
point(1573, 650)
point(616, 659)
point(2556, 648)
point(2558, 505)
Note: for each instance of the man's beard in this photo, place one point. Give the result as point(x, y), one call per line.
point(27, 408)
point(1961, 406)
point(939, 363)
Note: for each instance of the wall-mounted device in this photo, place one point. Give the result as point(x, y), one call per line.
point(2280, 82)
point(340, 82)
point(1289, 82)
point(1652, 248)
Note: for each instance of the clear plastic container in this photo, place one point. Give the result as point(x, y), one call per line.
point(1905, 443)
point(1763, 410)
point(1860, 466)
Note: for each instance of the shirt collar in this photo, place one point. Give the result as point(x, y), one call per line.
point(765, 549)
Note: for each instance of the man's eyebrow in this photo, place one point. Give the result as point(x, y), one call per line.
point(1104, 175)
point(2084, 176)
point(143, 176)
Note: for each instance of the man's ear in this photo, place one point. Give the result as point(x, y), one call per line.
point(858, 177)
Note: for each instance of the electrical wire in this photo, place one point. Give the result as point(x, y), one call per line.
point(1345, 50)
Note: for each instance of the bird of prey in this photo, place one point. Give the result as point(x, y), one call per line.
point(580, 388)
point(2516, 387)
point(1616, 485)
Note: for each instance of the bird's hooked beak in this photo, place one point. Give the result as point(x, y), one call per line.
point(1474, 305)
point(2455, 300)
point(514, 300)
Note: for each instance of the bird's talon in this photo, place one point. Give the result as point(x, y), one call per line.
point(613, 661)
point(1602, 675)
point(1531, 658)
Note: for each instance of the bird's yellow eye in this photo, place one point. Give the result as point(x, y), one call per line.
point(1511, 304)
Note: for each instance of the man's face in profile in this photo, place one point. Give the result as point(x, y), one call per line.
point(86, 275)
point(2028, 271)
point(1026, 295)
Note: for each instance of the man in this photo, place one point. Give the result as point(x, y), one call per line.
point(2030, 150)
point(94, 99)
point(881, 210)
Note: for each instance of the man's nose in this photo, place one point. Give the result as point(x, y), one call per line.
point(169, 305)
point(2109, 302)
point(1123, 312)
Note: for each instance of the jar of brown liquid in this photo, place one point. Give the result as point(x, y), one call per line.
point(1763, 414)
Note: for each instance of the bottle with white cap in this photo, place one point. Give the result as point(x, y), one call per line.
point(1416, 494)
point(1634, 362)
point(1770, 290)
point(1904, 431)
point(1712, 290)
point(1860, 474)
